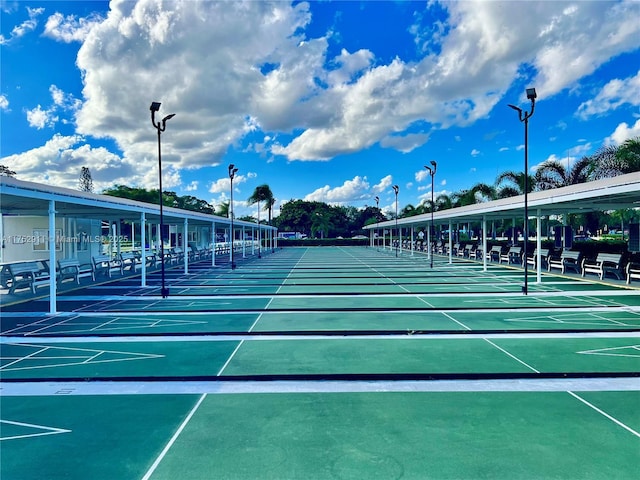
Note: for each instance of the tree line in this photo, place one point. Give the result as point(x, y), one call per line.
point(318, 219)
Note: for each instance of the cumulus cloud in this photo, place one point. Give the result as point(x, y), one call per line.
point(4, 103)
point(70, 28)
point(349, 191)
point(614, 94)
point(623, 132)
point(268, 73)
point(40, 118)
point(60, 160)
point(384, 184)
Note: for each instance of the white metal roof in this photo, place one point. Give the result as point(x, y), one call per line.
point(18, 197)
point(613, 193)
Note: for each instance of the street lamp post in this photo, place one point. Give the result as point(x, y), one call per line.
point(396, 189)
point(232, 174)
point(524, 117)
point(259, 233)
point(377, 220)
point(432, 172)
point(160, 127)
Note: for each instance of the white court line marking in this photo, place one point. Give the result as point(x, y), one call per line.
point(617, 422)
point(512, 356)
point(451, 318)
point(229, 359)
point(173, 439)
point(48, 430)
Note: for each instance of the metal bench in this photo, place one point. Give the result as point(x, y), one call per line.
point(73, 269)
point(568, 260)
point(513, 255)
point(129, 261)
point(29, 275)
point(632, 271)
point(533, 259)
point(603, 264)
point(106, 265)
point(495, 253)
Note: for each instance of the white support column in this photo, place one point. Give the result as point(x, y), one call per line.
point(143, 250)
point(450, 242)
point(244, 240)
point(52, 258)
point(538, 247)
point(412, 240)
point(213, 244)
point(484, 243)
point(185, 246)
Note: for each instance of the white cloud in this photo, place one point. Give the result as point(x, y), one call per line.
point(192, 187)
point(383, 185)
point(60, 160)
point(62, 102)
point(475, 152)
point(614, 94)
point(271, 75)
point(69, 29)
point(349, 191)
point(39, 118)
point(420, 175)
point(25, 27)
point(623, 132)
point(4, 103)
point(223, 185)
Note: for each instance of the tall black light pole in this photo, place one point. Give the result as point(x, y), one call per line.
point(524, 117)
point(432, 172)
point(259, 236)
point(232, 174)
point(160, 126)
point(377, 220)
point(395, 189)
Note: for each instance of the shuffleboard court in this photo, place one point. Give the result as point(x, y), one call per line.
point(325, 363)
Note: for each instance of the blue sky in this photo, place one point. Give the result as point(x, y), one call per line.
point(328, 101)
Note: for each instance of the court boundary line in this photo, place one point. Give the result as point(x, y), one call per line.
point(605, 414)
point(511, 355)
point(173, 439)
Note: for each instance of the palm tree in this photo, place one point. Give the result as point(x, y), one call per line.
point(611, 161)
point(262, 193)
point(553, 174)
point(517, 180)
point(223, 209)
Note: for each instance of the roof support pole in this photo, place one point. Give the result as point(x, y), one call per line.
point(450, 242)
point(412, 240)
point(213, 244)
point(185, 246)
point(52, 258)
point(143, 248)
point(244, 244)
point(484, 243)
point(538, 246)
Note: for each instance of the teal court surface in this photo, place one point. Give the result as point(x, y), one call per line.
point(325, 363)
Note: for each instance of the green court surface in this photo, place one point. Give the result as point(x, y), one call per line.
point(383, 435)
point(325, 363)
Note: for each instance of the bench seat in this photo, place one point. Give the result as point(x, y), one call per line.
point(72, 269)
point(568, 260)
point(603, 264)
point(29, 275)
point(632, 271)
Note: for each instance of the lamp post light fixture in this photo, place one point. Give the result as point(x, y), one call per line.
point(232, 174)
point(377, 220)
point(160, 126)
point(396, 189)
point(432, 172)
point(524, 117)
